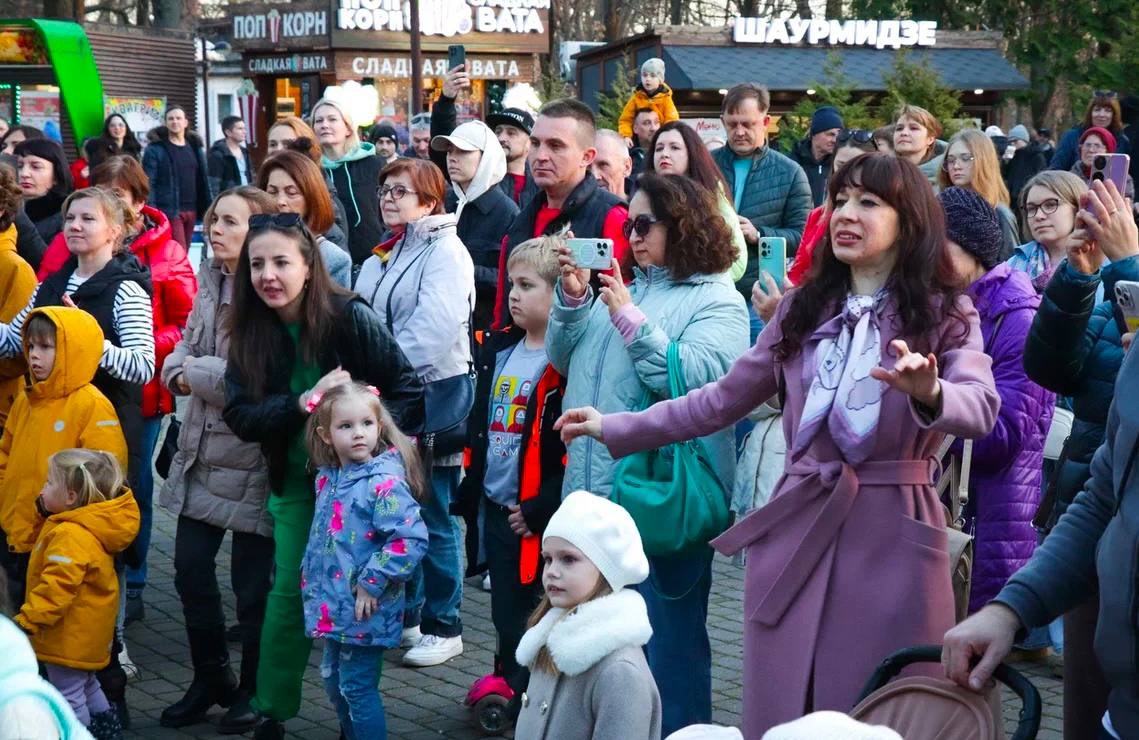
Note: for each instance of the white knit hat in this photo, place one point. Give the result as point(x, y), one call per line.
point(605, 533)
point(829, 726)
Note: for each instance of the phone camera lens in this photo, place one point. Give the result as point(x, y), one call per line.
point(1097, 175)
point(1100, 162)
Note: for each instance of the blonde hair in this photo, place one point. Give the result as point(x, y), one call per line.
point(114, 210)
point(987, 181)
point(543, 660)
point(353, 140)
point(541, 253)
point(94, 476)
point(1067, 186)
point(321, 453)
point(926, 119)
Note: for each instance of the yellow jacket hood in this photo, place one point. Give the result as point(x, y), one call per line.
point(78, 350)
point(113, 523)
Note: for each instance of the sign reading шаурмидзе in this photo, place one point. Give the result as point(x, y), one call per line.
point(879, 34)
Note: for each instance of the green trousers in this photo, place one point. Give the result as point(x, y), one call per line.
point(284, 646)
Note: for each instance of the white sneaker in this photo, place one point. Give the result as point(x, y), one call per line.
point(433, 650)
point(128, 665)
point(486, 582)
point(410, 637)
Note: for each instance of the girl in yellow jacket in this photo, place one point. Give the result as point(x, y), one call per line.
point(73, 592)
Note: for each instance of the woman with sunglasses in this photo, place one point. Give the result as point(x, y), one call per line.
point(855, 527)
point(678, 150)
point(971, 162)
point(421, 282)
point(1049, 203)
point(1103, 111)
point(295, 182)
point(611, 351)
point(217, 483)
point(294, 334)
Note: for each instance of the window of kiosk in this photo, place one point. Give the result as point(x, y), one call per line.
point(39, 106)
point(288, 97)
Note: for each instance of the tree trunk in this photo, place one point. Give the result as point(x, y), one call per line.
point(59, 9)
point(749, 8)
point(168, 13)
point(804, 8)
point(142, 14)
point(675, 12)
point(834, 9)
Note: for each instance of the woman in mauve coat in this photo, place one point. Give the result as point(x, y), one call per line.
point(848, 562)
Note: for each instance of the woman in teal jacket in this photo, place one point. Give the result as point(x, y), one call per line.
point(612, 350)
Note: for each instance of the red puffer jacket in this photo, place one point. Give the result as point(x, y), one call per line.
point(174, 289)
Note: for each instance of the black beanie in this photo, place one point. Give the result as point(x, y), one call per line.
point(383, 131)
point(973, 224)
point(52, 152)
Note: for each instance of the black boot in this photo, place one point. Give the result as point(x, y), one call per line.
point(269, 729)
point(106, 726)
point(113, 681)
point(214, 682)
point(242, 717)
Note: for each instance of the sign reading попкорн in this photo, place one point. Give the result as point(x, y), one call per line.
point(444, 17)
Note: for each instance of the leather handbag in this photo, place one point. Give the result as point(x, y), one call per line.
point(954, 484)
point(672, 493)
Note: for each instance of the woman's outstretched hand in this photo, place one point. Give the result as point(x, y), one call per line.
point(914, 374)
point(582, 422)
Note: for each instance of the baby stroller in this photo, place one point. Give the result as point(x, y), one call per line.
point(924, 708)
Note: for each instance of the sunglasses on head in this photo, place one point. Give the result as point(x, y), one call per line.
point(1109, 94)
point(641, 224)
point(860, 136)
point(280, 220)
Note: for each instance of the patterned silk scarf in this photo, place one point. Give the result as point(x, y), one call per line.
point(843, 397)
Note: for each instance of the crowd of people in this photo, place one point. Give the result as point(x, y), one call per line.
point(378, 346)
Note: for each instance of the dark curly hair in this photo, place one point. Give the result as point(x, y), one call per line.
point(922, 276)
point(698, 241)
point(10, 197)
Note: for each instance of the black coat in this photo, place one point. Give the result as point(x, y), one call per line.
point(482, 226)
point(224, 172)
point(817, 172)
point(537, 506)
point(158, 162)
point(29, 244)
point(1025, 163)
point(362, 345)
point(529, 188)
point(355, 183)
point(45, 212)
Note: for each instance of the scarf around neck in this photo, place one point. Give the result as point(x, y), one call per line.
point(843, 397)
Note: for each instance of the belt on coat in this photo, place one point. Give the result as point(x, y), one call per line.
point(839, 482)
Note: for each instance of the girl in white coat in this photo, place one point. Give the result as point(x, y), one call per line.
point(589, 679)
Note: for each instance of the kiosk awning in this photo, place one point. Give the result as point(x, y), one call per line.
point(799, 69)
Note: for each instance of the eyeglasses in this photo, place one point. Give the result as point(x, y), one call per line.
point(860, 136)
point(963, 160)
point(1049, 207)
point(281, 220)
point(395, 191)
point(1109, 94)
point(641, 224)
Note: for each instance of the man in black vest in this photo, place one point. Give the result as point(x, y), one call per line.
point(561, 152)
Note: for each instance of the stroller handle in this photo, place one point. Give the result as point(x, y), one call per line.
point(889, 669)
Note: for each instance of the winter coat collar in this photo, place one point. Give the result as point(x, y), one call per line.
point(382, 463)
point(363, 151)
point(422, 232)
point(581, 638)
point(155, 231)
point(162, 134)
point(805, 153)
point(45, 206)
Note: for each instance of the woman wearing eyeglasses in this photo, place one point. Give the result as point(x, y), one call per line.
point(971, 162)
point(1103, 111)
point(294, 334)
point(1049, 203)
point(613, 350)
point(421, 282)
point(1096, 141)
point(295, 182)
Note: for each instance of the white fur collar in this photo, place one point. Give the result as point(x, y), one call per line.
point(580, 639)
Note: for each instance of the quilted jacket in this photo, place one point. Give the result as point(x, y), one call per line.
point(1075, 349)
point(1007, 464)
point(776, 199)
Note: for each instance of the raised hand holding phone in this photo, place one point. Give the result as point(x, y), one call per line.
point(1107, 218)
point(574, 280)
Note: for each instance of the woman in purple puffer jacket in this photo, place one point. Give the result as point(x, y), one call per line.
point(1007, 464)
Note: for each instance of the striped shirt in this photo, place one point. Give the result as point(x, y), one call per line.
point(133, 360)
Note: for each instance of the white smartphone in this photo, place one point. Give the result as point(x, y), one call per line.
point(592, 254)
point(1127, 299)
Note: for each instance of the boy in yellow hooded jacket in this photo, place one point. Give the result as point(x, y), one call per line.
point(651, 93)
point(58, 409)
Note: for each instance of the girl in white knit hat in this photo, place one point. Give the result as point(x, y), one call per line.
point(588, 675)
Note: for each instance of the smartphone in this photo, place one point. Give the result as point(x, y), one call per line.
point(592, 254)
point(1127, 299)
point(457, 54)
point(1111, 167)
point(773, 259)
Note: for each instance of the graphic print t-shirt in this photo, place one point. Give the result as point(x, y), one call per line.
point(511, 393)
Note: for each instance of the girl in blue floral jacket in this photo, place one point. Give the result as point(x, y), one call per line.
point(367, 537)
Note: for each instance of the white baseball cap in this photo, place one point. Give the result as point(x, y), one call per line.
point(471, 136)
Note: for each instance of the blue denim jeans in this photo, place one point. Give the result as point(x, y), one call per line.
point(144, 496)
point(351, 675)
point(435, 589)
point(679, 654)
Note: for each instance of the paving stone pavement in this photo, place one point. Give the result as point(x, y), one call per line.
point(424, 703)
